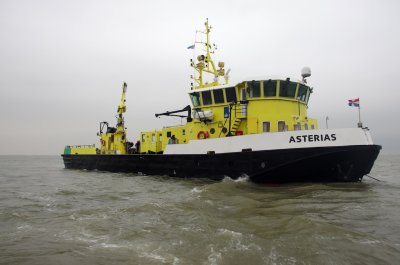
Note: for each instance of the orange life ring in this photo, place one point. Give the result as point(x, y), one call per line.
point(103, 142)
point(203, 135)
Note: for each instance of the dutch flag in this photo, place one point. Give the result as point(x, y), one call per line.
point(354, 102)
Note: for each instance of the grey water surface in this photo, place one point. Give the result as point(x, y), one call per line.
point(51, 215)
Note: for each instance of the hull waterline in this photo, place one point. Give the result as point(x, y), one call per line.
point(319, 164)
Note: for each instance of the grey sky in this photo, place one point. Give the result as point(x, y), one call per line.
point(62, 63)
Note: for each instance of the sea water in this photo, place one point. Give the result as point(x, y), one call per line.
point(52, 215)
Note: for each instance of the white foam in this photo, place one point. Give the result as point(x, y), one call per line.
point(24, 227)
point(229, 232)
point(370, 242)
point(154, 256)
point(105, 245)
point(213, 257)
point(242, 178)
point(176, 261)
point(196, 190)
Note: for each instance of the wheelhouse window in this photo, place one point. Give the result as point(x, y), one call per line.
point(269, 88)
point(254, 89)
point(297, 127)
point(266, 126)
point(206, 96)
point(218, 96)
point(287, 89)
point(281, 126)
point(195, 98)
point(243, 95)
point(302, 94)
point(230, 94)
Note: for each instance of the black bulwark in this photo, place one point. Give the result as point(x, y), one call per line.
point(319, 164)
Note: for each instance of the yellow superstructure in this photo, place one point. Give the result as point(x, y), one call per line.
point(249, 107)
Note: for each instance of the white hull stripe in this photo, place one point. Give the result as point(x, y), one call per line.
point(275, 141)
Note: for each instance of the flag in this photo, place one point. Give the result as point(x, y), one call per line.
point(191, 47)
point(354, 102)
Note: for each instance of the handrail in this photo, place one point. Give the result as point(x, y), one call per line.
point(80, 146)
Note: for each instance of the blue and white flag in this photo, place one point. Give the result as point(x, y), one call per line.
point(191, 46)
point(354, 102)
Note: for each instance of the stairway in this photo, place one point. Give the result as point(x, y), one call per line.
point(235, 125)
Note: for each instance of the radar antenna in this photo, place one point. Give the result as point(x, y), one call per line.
point(305, 72)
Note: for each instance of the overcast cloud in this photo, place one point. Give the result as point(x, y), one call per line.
point(62, 63)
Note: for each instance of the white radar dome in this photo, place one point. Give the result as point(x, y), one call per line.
point(306, 72)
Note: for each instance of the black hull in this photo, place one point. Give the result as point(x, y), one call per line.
point(322, 164)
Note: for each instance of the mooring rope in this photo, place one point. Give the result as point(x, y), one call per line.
point(372, 177)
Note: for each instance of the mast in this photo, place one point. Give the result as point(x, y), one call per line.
point(205, 64)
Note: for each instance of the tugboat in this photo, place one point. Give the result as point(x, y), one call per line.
point(255, 128)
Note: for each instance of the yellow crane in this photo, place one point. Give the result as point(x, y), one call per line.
point(113, 139)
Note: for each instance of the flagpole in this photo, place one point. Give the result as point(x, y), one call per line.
point(359, 116)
